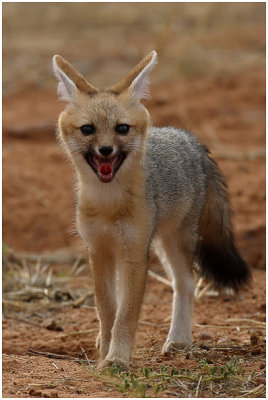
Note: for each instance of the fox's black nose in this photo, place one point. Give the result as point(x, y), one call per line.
point(106, 150)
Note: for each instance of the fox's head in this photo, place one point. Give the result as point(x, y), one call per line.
point(103, 129)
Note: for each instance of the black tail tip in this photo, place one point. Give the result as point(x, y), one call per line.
point(225, 267)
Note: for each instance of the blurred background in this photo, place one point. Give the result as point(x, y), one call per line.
point(104, 40)
point(210, 79)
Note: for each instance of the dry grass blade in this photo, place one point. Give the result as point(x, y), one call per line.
point(14, 305)
point(203, 291)
point(198, 286)
point(82, 299)
point(75, 266)
point(80, 269)
point(36, 272)
point(27, 294)
point(255, 391)
point(198, 385)
point(49, 277)
point(151, 324)
point(250, 321)
point(159, 278)
point(230, 326)
point(59, 257)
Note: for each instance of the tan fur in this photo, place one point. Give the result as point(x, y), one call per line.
point(113, 218)
point(117, 234)
point(103, 110)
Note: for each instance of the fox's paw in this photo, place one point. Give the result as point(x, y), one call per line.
point(114, 363)
point(171, 348)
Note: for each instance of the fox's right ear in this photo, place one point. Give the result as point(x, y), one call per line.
point(70, 80)
point(136, 82)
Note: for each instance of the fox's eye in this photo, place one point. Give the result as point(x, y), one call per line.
point(88, 129)
point(122, 129)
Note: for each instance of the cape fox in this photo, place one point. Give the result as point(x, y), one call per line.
point(140, 187)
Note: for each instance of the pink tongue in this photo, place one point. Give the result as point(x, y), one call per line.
point(105, 169)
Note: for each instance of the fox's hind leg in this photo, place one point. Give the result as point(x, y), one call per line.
point(176, 257)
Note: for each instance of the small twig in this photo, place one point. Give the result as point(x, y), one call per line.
point(237, 348)
point(222, 347)
point(85, 354)
point(159, 278)
point(234, 348)
point(52, 355)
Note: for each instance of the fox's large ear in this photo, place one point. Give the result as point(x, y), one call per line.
point(70, 80)
point(136, 82)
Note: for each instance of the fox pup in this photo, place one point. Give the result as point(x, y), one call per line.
point(141, 187)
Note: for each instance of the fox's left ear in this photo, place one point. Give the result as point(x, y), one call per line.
point(137, 81)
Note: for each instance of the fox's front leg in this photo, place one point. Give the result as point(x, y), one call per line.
point(103, 272)
point(132, 278)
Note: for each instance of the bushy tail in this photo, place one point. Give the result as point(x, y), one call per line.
point(216, 254)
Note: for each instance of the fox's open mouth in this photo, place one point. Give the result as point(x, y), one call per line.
point(105, 168)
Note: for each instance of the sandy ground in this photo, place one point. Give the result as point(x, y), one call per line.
point(36, 376)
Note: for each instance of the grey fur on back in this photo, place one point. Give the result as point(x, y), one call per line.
point(174, 165)
point(184, 185)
